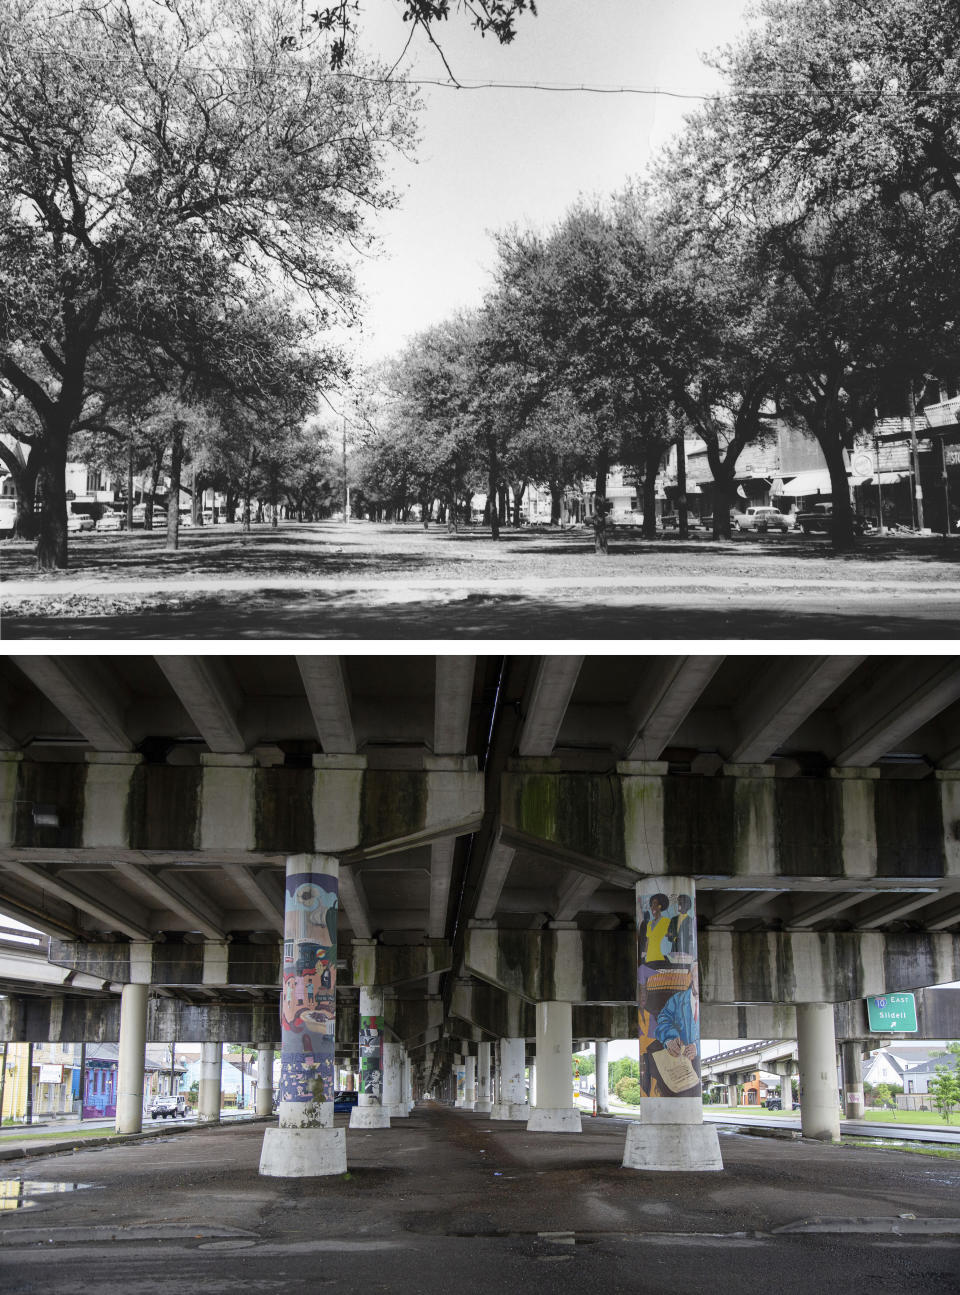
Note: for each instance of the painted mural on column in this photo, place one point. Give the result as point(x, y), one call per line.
point(371, 1058)
point(309, 994)
point(669, 993)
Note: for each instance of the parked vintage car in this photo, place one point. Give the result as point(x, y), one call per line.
point(112, 521)
point(8, 514)
point(168, 1105)
point(78, 522)
point(764, 517)
point(345, 1100)
point(819, 521)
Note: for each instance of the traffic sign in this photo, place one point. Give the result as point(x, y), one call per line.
point(892, 1014)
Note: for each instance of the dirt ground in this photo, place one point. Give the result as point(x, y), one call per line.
point(362, 580)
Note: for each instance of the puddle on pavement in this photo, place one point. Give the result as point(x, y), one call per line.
point(21, 1194)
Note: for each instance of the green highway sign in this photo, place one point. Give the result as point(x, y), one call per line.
point(892, 1014)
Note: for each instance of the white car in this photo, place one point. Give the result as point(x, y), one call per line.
point(8, 514)
point(764, 518)
point(112, 521)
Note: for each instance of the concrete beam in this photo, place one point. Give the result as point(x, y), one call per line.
point(210, 697)
point(169, 890)
point(114, 918)
point(441, 872)
point(263, 890)
point(670, 690)
point(353, 901)
point(574, 893)
point(493, 878)
point(827, 908)
point(735, 966)
point(547, 703)
point(78, 689)
point(901, 700)
point(785, 695)
point(898, 908)
point(453, 694)
point(743, 904)
point(328, 696)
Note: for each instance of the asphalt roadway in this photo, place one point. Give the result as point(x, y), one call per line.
point(451, 1201)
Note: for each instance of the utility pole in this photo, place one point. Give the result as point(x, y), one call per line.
point(682, 486)
point(346, 489)
point(28, 1119)
point(915, 455)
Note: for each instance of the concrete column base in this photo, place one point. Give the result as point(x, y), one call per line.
point(369, 1117)
point(672, 1148)
point(399, 1111)
point(303, 1153)
point(485, 1107)
point(511, 1111)
point(554, 1119)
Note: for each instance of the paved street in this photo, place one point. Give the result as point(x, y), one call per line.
point(394, 582)
point(450, 1198)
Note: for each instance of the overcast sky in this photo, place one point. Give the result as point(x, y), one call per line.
point(489, 158)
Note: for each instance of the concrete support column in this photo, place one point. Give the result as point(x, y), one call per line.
point(402, 1109)
point(306, 1145)
point(470, 1083)
point(392, 1067)
point(133, 1042)
point(512, 1104)
point(732, 1094)
point(211, 1070)
point(602, 1078)
point(671, 1133)
point(852, 1053)
point(484, 1101)
point(532, 1069)
point(554, 1111)
point(265, 1081)
point(786, 1088)
point(819, 1104)
point(370, 1112)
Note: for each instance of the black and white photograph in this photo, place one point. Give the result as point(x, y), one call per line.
point(419, 320)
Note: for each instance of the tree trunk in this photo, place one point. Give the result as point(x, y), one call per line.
point(52, 493)
point(830, 435)
point(493, 472)
point(274, 494)
point(651, 466)
point(247, 493)
point(130, 487)
point(556, 503)
point(601, 532)
point(176, 468)
point(517, 501)
point(502, 509)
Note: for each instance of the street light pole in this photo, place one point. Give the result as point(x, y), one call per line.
point(915, 455)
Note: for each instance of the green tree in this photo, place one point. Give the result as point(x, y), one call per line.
point(585, 1063)
point(945, 1086)
point(623, 1067)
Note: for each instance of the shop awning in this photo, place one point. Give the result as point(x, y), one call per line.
point(884, 478)
point(808, 483)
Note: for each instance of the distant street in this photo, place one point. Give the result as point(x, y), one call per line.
point(331, 581)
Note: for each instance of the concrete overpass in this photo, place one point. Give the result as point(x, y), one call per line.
point(486, 832)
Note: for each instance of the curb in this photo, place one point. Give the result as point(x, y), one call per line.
point(27, 1152)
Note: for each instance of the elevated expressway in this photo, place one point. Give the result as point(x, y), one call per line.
point(489, 818)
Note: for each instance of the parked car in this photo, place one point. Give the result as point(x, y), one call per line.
point(773, 1104)
point(8, 514)
point(169, 1104)
point(159, 516)
point(77, 522)
point(819, 521)
point(764, 517)
point(112, 521)
point(345, 1101)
